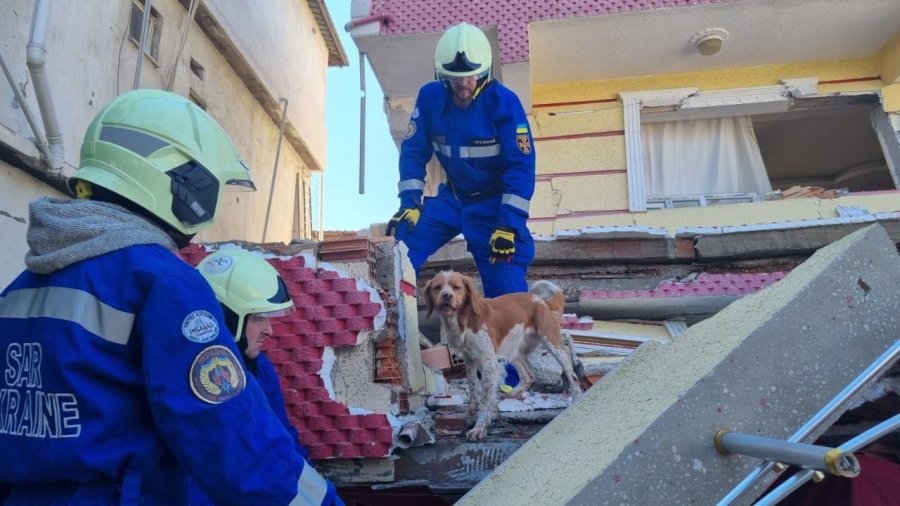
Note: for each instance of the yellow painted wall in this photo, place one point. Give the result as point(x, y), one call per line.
point(708, 80)
point(890, 61)
point(562, 196)
point(580, 155)
point(891, 97)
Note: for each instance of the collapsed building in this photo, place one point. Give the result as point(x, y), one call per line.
point(380, 402)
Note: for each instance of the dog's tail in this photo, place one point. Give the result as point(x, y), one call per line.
point(551, 294)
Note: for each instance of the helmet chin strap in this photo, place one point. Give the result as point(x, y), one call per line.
point(482, 83)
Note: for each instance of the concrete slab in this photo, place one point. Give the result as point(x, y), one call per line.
point(764, 365)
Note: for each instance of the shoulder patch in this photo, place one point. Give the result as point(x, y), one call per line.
point(410, 130)
point(524, 143)
point(216, 375)
point(200, 327)
point(415, 113)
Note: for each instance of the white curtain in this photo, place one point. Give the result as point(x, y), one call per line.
point(703, 156)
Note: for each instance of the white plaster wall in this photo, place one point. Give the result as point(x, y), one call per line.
point(298, 73)
point(14, 218)
point(90, 60)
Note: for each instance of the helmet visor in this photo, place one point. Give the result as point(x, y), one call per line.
point(277, 313)
point(243, 184)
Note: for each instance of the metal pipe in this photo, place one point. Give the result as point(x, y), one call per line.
point(275, 169)
point(875, 369)
point(29, 117)
point(408, 434)
point(322, 206)
point(801, 477)
point(353, 23)
point(145, 21)
point(832, 460)
point(36, 57)
point(192, 10)
point(362, 123)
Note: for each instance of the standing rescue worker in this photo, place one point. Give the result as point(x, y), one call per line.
point(251, 292)
point(479, 132)
point(120, 377)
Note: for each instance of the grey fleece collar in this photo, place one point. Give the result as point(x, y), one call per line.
point(62, 232)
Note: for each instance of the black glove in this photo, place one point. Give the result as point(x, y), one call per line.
point(503, 245)
point(410, 216)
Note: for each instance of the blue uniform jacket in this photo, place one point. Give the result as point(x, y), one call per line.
point(485, 148)
point(119, 371)
point(271, 386)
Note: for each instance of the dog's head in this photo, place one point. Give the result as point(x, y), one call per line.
point(449, 293)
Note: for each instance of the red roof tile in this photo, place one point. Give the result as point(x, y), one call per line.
point(331, 311)
point(705, 285)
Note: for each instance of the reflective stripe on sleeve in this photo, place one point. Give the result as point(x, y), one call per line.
point(479, 151)
point(311, 487)
point(515, 201)
point(441, 148)
point(410, 184)
point(72, 305)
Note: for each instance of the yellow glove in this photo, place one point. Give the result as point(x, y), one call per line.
point(503, 245)
point(411, 216)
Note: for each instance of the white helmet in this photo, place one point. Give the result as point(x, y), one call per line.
point(245, 283)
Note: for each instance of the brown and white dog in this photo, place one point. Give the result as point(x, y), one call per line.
point(510, 326)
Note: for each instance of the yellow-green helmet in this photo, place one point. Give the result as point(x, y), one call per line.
point(463, 51)
point(163, 153)
point(245, 283)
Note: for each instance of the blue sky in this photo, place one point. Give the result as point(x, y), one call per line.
point(345, 208)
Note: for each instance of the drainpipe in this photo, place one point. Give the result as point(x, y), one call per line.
point(322, 206)
point(275, 169)
point(20, 98)
point(362, 123)
point(36, 53)
point(382, 19)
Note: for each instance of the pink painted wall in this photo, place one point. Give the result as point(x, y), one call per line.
point(509, 17)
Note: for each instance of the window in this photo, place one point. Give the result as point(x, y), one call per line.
point(687, 148)
point(197, 69)
point(154, 29)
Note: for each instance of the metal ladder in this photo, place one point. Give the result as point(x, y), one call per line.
point(814, 460)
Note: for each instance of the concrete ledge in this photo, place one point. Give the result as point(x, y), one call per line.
point(764, 365)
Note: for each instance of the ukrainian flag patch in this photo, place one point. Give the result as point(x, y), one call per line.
point(522, 128)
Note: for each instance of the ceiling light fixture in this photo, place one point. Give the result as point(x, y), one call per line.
point(709, 42)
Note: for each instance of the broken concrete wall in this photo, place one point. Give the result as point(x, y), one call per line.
point(764, 365)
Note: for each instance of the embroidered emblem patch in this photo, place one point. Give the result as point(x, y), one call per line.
point(217, 265)
point(524, 143)
point(216, 375)
point(200, 327)
point(410, 130)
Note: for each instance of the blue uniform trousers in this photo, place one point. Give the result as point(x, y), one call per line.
point(444, 217)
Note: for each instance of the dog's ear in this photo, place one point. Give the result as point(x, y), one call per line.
point(473, 298)
point(429, 302)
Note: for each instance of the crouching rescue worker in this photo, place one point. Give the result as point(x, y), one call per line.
point(120, 377)
point(478, 130)
point(251, 292)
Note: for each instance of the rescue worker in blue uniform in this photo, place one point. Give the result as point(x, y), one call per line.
point(251, 292)
point(120, 378)
point(478, 130)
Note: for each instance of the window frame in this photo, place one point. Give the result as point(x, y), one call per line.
point(154, 28)
point(680, 104)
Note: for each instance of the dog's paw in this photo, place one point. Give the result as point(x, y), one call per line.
point(476, 434)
